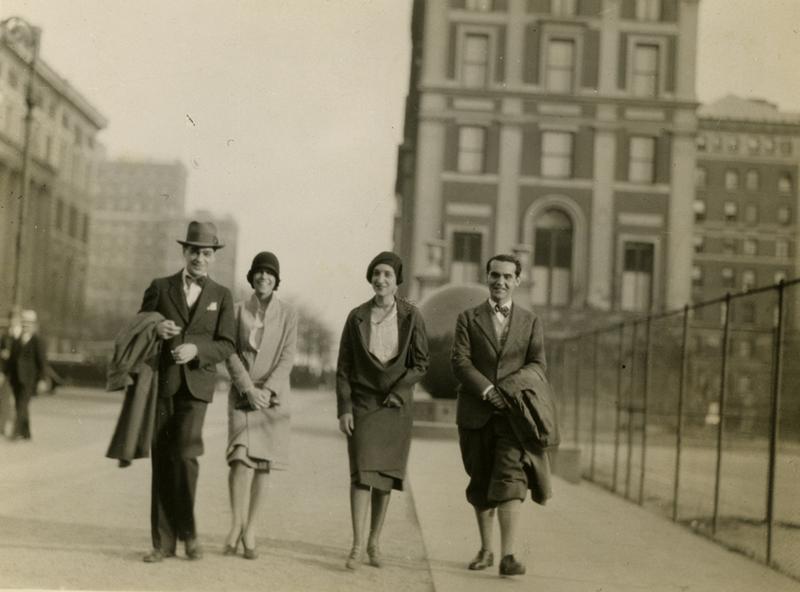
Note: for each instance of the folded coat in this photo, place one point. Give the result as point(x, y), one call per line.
point(134, 368)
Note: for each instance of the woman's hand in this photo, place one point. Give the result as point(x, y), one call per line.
point(258, 398)
point(346, 423)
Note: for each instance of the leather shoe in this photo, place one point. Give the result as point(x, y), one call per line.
point(249, 552)
point(193, 549)
point(483, 559)
point(156, 556)
point(511, 567)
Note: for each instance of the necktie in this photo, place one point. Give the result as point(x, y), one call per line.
point(503, 310)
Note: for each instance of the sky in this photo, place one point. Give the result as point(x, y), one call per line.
point(288, 113)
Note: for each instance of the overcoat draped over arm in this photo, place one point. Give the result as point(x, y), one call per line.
point(266, 365)
point(382, 435)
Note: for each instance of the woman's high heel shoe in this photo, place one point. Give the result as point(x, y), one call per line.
point(249, 552)
point(354, 558)
point(374, 554)
point(230, 550)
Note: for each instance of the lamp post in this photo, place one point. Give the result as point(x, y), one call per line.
point(18, 32)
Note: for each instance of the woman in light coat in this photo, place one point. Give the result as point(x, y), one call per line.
point(258, 402)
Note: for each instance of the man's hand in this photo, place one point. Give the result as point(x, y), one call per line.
point(258, 398)
point(496, 399)
point(184, 353)
point(393, 400)
point(167, 329)
point(346, 423)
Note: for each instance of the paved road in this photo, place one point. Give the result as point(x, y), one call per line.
point(70, 519)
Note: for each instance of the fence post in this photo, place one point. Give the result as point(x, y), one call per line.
point(723, 387)
point(681, 394)
point(618, 406)
point(774, 418)
point(576, 394)
point(594, 404)
point(629, 452)
point(645, 397)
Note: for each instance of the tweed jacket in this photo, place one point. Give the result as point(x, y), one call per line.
point(209, 326)
point(265, 432)
point(478, 360)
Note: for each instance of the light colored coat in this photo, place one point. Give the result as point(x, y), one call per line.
point(264, 432)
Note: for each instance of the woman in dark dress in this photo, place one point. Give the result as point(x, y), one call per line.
point(382, 354)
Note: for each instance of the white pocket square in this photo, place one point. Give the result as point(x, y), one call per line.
point(212, 306)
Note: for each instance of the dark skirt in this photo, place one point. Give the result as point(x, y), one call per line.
point(378, 449)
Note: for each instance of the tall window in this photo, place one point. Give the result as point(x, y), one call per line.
point(645, 70)
point(784, 215)
point(731, 211)
point(637, 276)
point(751, 213)
point(699, 207)
point(752, 180)
point(731, 180)
point(648, 10)
point(467, 256)
point(781, 247)
point(748, 280)
point(641, 166)
point(557, 154)
point(785, 183)
point(697, 275)
point(471, 144)
point(700, 177)
point(699, 242)
point(560, 69)
point(552, 259)
point(750, 246)
point(728, 277)
point(475, 62)
point(563, 7)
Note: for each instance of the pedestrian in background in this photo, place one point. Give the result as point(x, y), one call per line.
point(383, 352)
point(27, 364)
point(197, 333)
point(258, 402)
point(496, 345)
point(11, 333)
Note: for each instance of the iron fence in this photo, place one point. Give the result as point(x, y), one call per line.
point(695, 413)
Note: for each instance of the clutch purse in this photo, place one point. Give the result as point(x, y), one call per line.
point(243, 403)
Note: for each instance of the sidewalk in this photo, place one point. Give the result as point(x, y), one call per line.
point(584, 540)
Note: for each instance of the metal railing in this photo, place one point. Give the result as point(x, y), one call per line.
point(695, 413)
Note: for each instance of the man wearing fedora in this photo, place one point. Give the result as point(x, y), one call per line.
point(197, 332)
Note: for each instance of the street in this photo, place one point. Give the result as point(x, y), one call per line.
point(70, 518)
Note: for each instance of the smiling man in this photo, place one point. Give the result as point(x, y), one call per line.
point(197, 333)
point(495, 343)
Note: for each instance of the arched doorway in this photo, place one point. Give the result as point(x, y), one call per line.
point(553, 233)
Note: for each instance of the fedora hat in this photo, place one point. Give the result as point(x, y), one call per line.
point(201, 234)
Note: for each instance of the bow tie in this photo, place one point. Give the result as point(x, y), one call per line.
point(503, 310)
point(200, 281)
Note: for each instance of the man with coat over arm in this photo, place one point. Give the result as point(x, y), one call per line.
point(197, 332)
point(497, 346)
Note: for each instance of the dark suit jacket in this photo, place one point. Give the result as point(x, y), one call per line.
point(27, 362)
point(359, 373)
point(478, 361)
point(210, 327)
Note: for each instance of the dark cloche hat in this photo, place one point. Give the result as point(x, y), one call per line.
point(387, 258)
point(201, 234)
point(268, 262)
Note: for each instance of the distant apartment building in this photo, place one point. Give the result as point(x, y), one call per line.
point(746, 204)
point(64, 153)
point(561, 130)
point(132, 235)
